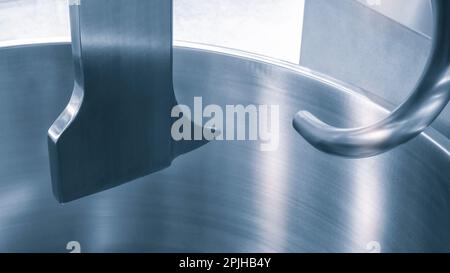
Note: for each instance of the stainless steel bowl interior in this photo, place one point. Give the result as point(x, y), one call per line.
point(225, 196)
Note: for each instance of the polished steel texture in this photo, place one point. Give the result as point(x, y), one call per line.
point(225, 196)
point(407, 121)
point(380, 55)
point(117, 124)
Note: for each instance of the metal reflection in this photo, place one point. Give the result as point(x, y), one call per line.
point(412, 117)
point(212, 199)
point(116, 126)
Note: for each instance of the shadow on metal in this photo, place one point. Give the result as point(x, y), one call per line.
point(117, 125)
point(407, 121)
point(225, 196)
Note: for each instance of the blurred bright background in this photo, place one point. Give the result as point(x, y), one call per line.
point(267, 27)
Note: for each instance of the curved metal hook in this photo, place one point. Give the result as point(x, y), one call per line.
point(412, 117)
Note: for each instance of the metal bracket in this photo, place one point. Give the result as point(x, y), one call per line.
point(117, 124)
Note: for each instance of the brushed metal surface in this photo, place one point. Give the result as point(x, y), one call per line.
point(225, 196)
point(352, 43)
point(423, 106)
point(414, 14)
point(117, 125)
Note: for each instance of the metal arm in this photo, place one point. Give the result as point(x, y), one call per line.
point(117, 125)
point(412, 117)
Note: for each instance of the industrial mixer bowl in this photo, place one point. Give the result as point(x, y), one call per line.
point(225, 196)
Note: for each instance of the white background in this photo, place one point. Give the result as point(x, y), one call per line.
point(267, 27)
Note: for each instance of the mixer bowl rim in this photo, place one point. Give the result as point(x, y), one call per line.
point(431, 134)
